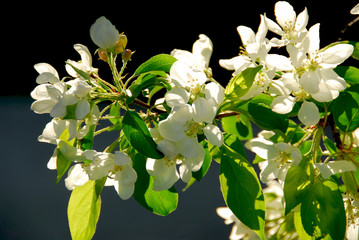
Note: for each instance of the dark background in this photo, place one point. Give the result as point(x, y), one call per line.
point(31, 206)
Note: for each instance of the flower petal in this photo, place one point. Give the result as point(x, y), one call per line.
point(285, 14)
point(263, 148)
point(337, 54)
point(309, 113)
point(213, 134)
point(283, 104)
point(247, 35)
point(334, 167)
point(279, 62)
point(176, 97)
point(202, 50)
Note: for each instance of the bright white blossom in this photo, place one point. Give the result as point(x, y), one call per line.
point(290, 27)
point(278, 156)
point(118, 167)
point(84, 65)
point(199, 57)
point(104, 34)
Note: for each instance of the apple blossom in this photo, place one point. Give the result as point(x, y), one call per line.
point(104, 34)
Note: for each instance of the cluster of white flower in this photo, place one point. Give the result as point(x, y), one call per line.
point(193, 106)
point(68, 102)
point(306, 75)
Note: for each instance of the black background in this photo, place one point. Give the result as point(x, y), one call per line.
point(31, 206)
point(47, 32)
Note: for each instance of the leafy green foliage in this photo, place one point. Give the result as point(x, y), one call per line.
point(159, 202)
point(238, 125)
point(240, 84)
point(161, 62)
point(346, 109)
point(241, 190)
point(84, 209)
point(322, 210)
point(138, 135)
point(349, 73)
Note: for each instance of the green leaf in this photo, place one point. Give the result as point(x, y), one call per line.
point(322, 211)
point(241, 190)
point(299, 226)
point(161, 62)
point(81, 73)
point(147, 80)
point(86, 142)
point(240, 84)
point(84, 210)
point(298, 182)
point(139, 136)
point(262, 114)
point(345, 109)
point(238, 125)
point(159, 202)
point(62, 164)
point(115, 111)
point(349, 73)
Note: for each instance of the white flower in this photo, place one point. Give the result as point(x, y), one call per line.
point(316, 67)
point(334, 167)
point(77, 176)
point(255, 50)
point(355, 10)
point(190, 79)
point(84, 65)
point(55, 130)
point(104, 34)
point(290, 27)
point(279, 156)
point(199, 57)
point(239, 230)
point(117, 167)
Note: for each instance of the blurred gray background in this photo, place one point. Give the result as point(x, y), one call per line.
point(31, 205)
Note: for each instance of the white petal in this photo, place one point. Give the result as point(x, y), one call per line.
point(127, 176)
point(355, 10)
point(168, 149)
point(302, 20)
point(179, 73)
point(213, 134)
point(310, 81)
point(279, 62)
point(215, 91)
point(263, 148)
point(185, 172)
point(272, 26)
point(122, 158)
point(202, 50)
point(45, 67)
point(188, 147)
point(314, 39)
point(270, 170)
point(124, 191)
point(285, 14)
point(164, 172)
point(85, 54)
point(82, 109)
point(43, 106)
point(176, 97)
point(283, 104)
point(171, 129)
point(46, 77)
point(247, 35)
point(77, 176)
point(332, 80)
point(204, 110)
point(290, 81)
point(334, 167)
point(309, 113)
point(337, 54)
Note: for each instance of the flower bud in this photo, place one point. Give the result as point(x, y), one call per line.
point(126, 55)
point(121, 44)
point(102, 55)
point(104, 34)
